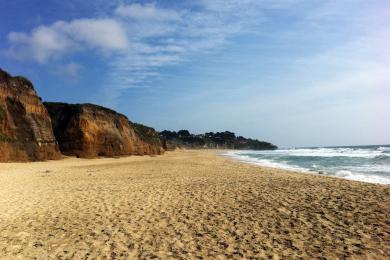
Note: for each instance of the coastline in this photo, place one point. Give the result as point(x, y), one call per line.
point(186, 203)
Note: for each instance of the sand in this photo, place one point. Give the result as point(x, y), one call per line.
point(186, 205)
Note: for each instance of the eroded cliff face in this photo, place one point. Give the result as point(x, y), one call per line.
point(25, 129)
point(89, 131)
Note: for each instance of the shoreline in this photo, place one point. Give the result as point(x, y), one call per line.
point(298, 169)
point(188, 204)
point(298, 172)
point(216, 152)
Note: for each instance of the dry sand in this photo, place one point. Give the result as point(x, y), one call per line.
point(186, 204)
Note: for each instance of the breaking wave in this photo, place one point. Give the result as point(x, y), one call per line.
point(363, 163)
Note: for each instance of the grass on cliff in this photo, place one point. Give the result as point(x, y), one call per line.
point(4, 138)
point(4, 74)
point(77, 108)
point(23, 80)
point(2, 114)
point(146, 133)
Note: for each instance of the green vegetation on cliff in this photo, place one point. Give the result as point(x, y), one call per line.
point(4, 74)
point(219, 140)
point(4, 138)
point(2, 114)
point(77, 108)
point(23, 80)
point(147, 134)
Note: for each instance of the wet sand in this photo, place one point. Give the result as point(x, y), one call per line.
point(186, 205)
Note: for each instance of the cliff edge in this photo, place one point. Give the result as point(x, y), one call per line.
point(25, 129)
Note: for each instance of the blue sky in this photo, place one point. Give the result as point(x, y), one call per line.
point(293, 72)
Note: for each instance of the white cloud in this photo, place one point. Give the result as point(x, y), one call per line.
point(43, 43)
point(106, 34)
point(46, 42)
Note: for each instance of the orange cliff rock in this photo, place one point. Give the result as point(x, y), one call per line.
point(25, 128)
point(89, 131)
point(33, 131)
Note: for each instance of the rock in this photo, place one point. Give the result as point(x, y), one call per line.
point(89, 131)
point(25, 129)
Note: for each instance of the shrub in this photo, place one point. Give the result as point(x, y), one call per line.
point(2, 114)
point(146, 133)
point(4, 74)
point(4, 138)
point(23, 80)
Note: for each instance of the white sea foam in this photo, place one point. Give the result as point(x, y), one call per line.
point(371, 171)
point(384, 148)
point(370, 168)
point(356, 176)
point(238, 155)
point(327, 152)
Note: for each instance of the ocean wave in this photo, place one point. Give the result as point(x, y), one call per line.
point(337, 152)
point(264, 162)
point(370, 168)
point(384, 148)
point(381, 157)
point(325, 152)
point(355, 176)
point(365, 170)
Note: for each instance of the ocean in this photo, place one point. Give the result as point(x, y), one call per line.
point(360, 163)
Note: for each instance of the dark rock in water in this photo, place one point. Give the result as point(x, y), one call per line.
point(89, 131)
point(25, 129)
point(219, 140)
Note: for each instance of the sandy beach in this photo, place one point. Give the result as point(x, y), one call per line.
point(186, 205)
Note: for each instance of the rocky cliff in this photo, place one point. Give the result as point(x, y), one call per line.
point(25, 129)
point(219, 140)
point(89, 131)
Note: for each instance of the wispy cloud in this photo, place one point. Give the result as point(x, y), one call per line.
point(147, 12)
point(139, 39)
point(162, 37)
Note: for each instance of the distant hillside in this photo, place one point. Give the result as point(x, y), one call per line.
point(219, 140)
